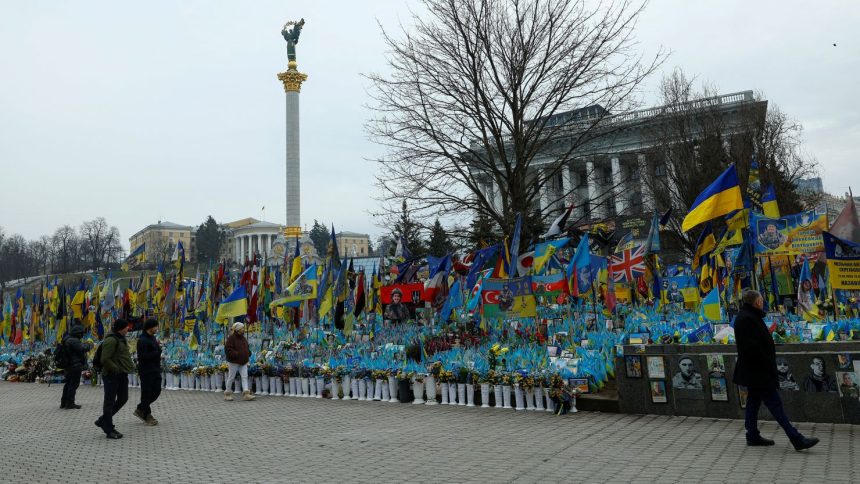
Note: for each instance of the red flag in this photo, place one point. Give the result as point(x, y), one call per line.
point(846, 226)
point(251, 317)
point(359, 294)
point(609, 299)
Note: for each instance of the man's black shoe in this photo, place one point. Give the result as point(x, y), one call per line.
point(759, 442)
point(73, 406)
point(113, 435)
point(99, 423)
point(63, 406)
point(805, 443)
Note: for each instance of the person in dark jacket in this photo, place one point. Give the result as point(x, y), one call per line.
point(149, 369)
point(238, 355)
point(76, 352)
point(116, 365)
point(756, 370)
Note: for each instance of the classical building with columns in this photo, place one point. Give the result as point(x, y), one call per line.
point(250, 236)
point(604, 180)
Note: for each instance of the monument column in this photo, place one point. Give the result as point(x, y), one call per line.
point(292, 80)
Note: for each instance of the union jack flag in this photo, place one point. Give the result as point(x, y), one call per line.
point(628, 265)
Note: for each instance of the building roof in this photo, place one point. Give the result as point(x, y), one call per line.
point(241, 223)
point(350, 234)
point(163, 226)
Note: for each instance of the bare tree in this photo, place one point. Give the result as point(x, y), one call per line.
point(694, 140)
point(472, 97)
point(97, 238)
point(65, 244)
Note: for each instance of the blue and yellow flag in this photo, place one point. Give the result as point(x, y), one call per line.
point(236, 304)
point(711, 309)
point(704, 245)
point(304, 288)
point(721, 197)
point(768, 203)
point(138, 255)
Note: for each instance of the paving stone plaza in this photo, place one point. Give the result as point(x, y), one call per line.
point(201, 438)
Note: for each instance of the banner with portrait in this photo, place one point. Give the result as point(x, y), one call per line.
point(508, 298)
point(799, 233)
point(843, 262)
point(680, 289)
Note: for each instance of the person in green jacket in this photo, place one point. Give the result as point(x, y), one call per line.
point(116, 365)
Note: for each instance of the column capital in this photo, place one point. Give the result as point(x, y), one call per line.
point(292, 78)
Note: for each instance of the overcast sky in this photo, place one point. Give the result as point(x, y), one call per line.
point(140, 111)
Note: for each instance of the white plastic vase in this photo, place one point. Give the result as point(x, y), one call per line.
point(291, 387)
point(497, 392)
point(550, 405)
point(573, 404)
point(362, 389)
point(518, 394)
point(335, 388)
point(169, 381)
point(258, 384)
point(306, 387)
point(445, 393)
point(312, 387)
point(461, 394)
point(354, 389)
point(385, 394)
point(485, 395)
point(265, 385)
point(430, 386)
point(530, 395)
point(539, 399)
point(272, 386)
point(377, 389)
point(418, 392)
point(320, 386)
point(452, 394)
point(219, 381)
point(346, 386)
point(470, 395)
point(392, 389)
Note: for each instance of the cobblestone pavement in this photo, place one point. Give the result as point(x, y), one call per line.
point(201, 438)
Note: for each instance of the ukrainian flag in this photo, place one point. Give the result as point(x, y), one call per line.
point(236, 304)
point(721, 197)
point(768, 203)
point(711, 310)
point(139, 254)
point(704, 246)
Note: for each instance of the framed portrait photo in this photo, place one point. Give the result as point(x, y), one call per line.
point(633, 365)
point(656, 367)
point(719, 392)
point(658, 391)
point(581, 384)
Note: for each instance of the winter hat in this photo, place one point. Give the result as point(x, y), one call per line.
point(150, 323)
point(77, 331)
point(238, 326)
point(119, 325)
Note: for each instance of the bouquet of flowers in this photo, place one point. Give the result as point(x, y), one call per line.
point(175, 368)
point(223, 368)
point(446, 376)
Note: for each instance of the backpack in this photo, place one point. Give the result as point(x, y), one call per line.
point(97, 357)
point(61, 356)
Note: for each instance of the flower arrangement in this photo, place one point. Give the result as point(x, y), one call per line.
point(175, 368)
point(380, 374)
point(223, 368)
point(446, 376)
point(404, 375)
point(496, 351)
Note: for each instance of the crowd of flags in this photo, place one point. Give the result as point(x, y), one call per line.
point(335, 292)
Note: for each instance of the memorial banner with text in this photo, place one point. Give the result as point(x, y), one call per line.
point(799, 233)
point(843, 262)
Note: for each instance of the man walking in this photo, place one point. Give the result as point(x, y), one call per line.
point(116, 365)
point(76, 359)
point(149, 368)
point(756, 370)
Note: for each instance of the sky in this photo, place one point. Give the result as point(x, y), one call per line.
point(164, 110)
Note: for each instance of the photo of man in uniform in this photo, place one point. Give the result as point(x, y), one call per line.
point(819, 380)
point(771, 237)
point(848, 384)
point(396, 312)
point(506, 298)
point(687, 378)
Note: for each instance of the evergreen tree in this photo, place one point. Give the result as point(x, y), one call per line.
point(409, 229)
point(320, 236)
point(440, 244)
point(482, 231)
point(211, 238)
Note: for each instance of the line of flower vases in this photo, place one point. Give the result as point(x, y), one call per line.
point(366, 389)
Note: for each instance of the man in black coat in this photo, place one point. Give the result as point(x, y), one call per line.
point(756, 370)
point(149, 369)
point(76, 353)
